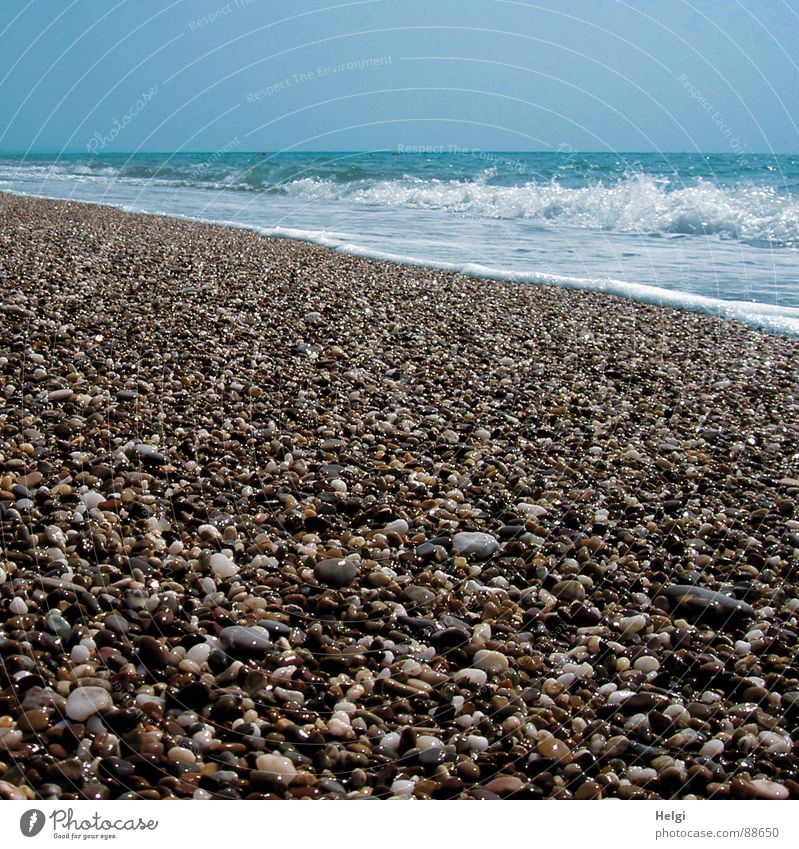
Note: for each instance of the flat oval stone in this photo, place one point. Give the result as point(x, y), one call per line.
point(336, 573)
point(490, 661)
point(149, 455)
point(91, 499)
point(704, 599)
point(504, 785)
point(762, 788)
point(239, 638)
point(435, 756)
point(555, 750)
point(84, 702)
point(60, 395)
point(276, 766)
point(478, 544)
point(276, 629)
point(477, 677)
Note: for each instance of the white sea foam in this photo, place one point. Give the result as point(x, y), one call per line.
point(636, 204)
point(626, 203)
point(777, 319)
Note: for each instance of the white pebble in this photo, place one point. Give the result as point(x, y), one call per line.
point(177, 754)
point(478, 544)
point(203, 738)
point(398, 526)
point(712, 749)
point(390, 742)
point(776, 744)
point(473, 676)
point(477, 743)
point(427, 741)
point(18, 607)
point(199, 653)
point(10, 738)
point(534, 510)
point(619, 696)
point(83, 702)
point(91, 499)
point(276, 765)
point(481, 633)
point(402, 787)
point(223, 566)
point(633, 624)
point(339, 728)
point(647, 664)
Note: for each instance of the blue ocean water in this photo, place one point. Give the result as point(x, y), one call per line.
point(717, 233)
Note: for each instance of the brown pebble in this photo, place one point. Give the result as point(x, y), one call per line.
point(505, 785)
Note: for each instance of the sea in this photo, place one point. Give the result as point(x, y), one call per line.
point(717, 233)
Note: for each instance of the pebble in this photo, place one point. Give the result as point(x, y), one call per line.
point(505, 785)
point(336, 573)
point(633, 624)
point(84, 702)
point(276, 766)
point(490, 661)
point(647, 664)
point(712, 749)
point(553, 749)
point(239, 638)
point(18, 607)
point(705, 599)
point(472, 676)
point(763, 788)
point(569, 591)
point(480, 545)
point(223, 566)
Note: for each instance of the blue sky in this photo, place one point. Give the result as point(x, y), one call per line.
point(166, 75)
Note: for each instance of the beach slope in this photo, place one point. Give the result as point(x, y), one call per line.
point(278, 521)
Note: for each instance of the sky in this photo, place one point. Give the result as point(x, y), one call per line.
point(244, 75)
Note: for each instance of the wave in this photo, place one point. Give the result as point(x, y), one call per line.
point(759, 213)
point(636, 204)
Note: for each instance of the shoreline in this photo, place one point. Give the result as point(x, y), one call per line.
point(283, 522)
point(768, 319)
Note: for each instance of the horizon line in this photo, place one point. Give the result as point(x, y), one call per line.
point(434, 150)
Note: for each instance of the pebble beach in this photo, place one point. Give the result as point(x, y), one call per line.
point(278, 523)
